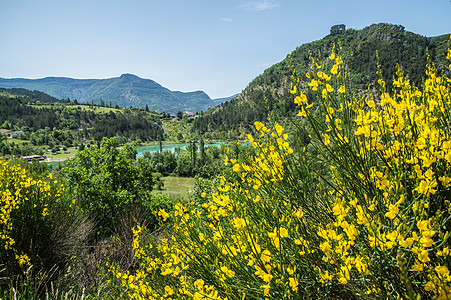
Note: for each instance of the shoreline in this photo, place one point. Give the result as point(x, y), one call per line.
point(71, 154)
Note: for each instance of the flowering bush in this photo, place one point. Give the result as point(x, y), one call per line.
point(27, 206)
point(376, 224)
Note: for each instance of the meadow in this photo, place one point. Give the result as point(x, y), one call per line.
point(177, 186)
point(361, 211)
point(62, 155)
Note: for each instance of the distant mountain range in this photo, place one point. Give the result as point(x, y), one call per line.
point(126, 90)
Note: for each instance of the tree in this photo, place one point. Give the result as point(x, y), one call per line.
point(107, 182)
point(180, 136)
point(179, 115)
point(202, 153)
point(184, 164)
point(164, 162)
point(192, 149)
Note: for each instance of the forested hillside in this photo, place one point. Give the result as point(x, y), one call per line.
point(359, 49)
point(48, 122)
point(32, 96)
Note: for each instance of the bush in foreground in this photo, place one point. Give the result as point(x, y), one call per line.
point(374, 225)
point(38, 230)
point(107, 182)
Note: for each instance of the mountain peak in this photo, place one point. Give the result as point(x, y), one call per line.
point(128, 76)
point(125, 90)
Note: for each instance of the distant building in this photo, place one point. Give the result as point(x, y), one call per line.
point(337, 29)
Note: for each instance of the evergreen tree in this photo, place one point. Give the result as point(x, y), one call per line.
point(202, 153)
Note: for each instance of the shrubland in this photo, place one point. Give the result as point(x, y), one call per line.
point(57, 233)
point(270, 91)
point(374, 223)
point(358, 210)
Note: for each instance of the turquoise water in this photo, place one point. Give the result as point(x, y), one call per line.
point(155, 148)
point(170, 147)
point(140, 150)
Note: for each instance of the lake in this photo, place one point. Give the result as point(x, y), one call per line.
point(142, 149)
point(170, 147)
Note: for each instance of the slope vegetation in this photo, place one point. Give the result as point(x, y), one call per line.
point(359, 49)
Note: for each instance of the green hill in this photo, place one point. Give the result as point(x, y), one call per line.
point(34, 119)
point(270, 90)
point(126, 90)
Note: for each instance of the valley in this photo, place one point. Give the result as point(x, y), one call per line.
point(128, 90)
point(327, 177)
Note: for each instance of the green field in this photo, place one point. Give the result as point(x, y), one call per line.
point(61, 155)
point(16, 141)
point(176, 186)
point(87, 107)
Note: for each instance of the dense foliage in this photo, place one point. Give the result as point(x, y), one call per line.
point(107, 182)
point(55, 235)
point(270, 90)
point(71, 125)
point(35, 221)
point(375, 225)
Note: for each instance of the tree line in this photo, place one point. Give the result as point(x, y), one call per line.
point(376, 47)
point(68, 125)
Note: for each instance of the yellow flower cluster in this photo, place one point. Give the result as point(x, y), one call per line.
point(19, 191)
point(219, 238)
point(374, 223)
point(397, 150)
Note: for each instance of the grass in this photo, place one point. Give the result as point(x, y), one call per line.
point(96, 109)
point(62, 155)
point(176, 186)
point(17, 141)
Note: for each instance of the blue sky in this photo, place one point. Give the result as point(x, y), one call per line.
point(210, 45)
